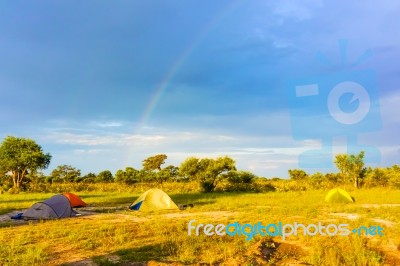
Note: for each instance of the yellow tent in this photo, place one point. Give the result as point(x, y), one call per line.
point(339, 196)
point(153, 200)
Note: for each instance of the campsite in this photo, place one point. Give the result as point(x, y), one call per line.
point(108, 233)
point(201, 133)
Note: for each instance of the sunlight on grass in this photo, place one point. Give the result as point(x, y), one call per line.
point(140, 237)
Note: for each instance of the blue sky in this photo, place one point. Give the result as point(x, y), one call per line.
point(105, 84)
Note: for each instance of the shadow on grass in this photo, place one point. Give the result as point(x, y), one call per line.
point(27, 200)
point(7, 210)
point(132, 256)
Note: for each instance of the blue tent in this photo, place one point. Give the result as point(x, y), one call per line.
point(56, 207)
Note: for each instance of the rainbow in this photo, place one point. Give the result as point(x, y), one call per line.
point(174, 69)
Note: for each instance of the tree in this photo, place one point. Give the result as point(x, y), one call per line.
point(154, 162)
point(128, 177)
point(394, 176)
point(19, 156)
point(173, 171)
point(152, 166)
point(297, 174)
point(105, 177)
point(316, 180)
point(351, 167)
point(377, 177)
point(240, 180)
point(88, 178)
point(207, 171)
point(189, 169)
point(65, 173)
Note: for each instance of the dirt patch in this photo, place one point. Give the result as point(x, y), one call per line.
point(5, 219)
point(86, 262)
point(350, 216)
point(215, 214)
point(392, 254)
point(379, 205)
point(384, 222)
point(275, 253)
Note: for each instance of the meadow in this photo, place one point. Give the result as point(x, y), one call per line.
point(114, 235)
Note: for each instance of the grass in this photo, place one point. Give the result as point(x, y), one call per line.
point(124, 236)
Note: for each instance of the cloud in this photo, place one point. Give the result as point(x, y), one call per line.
point(108, 124)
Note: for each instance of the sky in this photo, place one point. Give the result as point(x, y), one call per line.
point(276, 85)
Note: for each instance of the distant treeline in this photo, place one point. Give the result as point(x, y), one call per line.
point(22, 159)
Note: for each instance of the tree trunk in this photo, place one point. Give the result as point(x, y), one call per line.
point(14, 179)
point(17, 177)
point(356, 182)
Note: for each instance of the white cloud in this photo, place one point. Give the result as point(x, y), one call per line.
point(108, 124)
point(300, 10)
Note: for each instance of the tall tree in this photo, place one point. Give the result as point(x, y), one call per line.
point(104, 176)
point(207, 171)
point(350, 166)
point(88, 178)
point(298, 174)
point(190, 168)
point(19, 156)
point(154, 162)
point(65, 173)
point(128, 177)
point(152, 166)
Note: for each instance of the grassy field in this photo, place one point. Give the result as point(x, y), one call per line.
point(114, 235)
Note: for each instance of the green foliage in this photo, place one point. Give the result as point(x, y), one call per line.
point(394, 176)
point(153, 171)
point(297, 174)
point(129, 176)
point(65, 173)
point(190, 168)
point(104, 177)
point(154, 162)
point(317, 179)
point(19, 156)
point(240, 177)
point(376, 177)
point(88, 178)
point(240, 181)
point(207, 171)
point(333, 177)
point(324, 181)
point(34, 181)
point(166, 174)
point(350, 166)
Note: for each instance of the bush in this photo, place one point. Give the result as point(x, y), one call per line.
point(297, 174)
point(207, 186)
point(13, 190)
point(240, 181)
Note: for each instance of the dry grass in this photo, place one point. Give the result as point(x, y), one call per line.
point(116, 236)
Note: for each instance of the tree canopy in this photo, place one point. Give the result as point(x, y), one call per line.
point(154, 162)
point(19, 156)
point(350, 166)
point(207, 171)
point(65, 173)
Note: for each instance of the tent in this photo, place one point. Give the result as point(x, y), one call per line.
point(56, 207)
point(75, 201)
point(338, 195)
point(153, 200)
